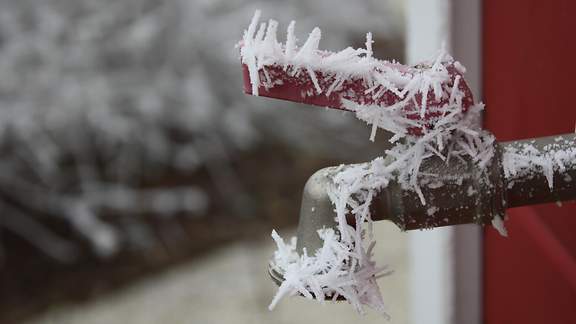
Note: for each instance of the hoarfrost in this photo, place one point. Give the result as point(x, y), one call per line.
point(526, 160)
point(432, 210)
point(430, 119)
point(99, 97)
point(96, 97)
point(498, 224)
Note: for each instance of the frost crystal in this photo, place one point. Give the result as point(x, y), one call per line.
point(498, 224)
point(524, 161)
point(428, 109)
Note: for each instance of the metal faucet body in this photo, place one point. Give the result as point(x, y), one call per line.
point(471, 199)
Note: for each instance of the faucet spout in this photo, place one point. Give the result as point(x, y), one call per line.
point(316, 211)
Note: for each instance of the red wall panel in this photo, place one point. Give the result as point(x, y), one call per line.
point(530, 90)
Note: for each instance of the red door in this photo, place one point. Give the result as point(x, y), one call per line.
point(530, 90)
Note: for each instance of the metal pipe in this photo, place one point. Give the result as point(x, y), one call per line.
point(469, 196)
point(476, 197)
point(522, 189)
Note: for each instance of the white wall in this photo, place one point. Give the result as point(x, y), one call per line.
point(445, 264)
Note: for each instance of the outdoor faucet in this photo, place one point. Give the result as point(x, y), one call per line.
point(409, 101)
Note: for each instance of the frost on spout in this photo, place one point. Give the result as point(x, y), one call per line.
point(327, 274)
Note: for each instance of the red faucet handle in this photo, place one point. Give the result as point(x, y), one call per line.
point(325, 90)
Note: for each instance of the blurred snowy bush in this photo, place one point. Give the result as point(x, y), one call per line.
point(98, 98)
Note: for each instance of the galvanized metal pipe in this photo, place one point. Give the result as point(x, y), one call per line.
point(477, 197)
point(473, 201)
point(460, 194)
point(534, 189)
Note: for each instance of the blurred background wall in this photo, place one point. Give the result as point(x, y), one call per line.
point(138, 184)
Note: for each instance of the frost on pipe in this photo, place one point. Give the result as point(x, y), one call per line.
point(428, 107)
point(540, 170)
